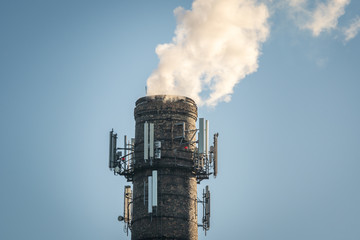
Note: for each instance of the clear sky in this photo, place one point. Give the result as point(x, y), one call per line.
point(289, 151)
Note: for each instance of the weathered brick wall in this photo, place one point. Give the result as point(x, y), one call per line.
point(176, 214)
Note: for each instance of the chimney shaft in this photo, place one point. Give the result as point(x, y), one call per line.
point(175, 216)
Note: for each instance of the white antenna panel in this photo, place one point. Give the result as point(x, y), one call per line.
point(201, 136)
point(207, 137)
point(150, 194)
point(146, 141)
point(151, 140)
point(154, 187)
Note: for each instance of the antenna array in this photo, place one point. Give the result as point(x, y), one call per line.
point(205, 160)
point(119, 163)
point(201, 161)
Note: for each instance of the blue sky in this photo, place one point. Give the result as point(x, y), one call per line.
point(289, 158)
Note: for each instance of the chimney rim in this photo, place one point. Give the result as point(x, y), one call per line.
point(164, 98)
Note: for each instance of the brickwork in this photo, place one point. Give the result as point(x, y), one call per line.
point(175, 217)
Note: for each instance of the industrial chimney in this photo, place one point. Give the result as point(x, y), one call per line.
point(165, 162)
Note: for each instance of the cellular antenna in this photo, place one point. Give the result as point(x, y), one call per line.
point(146, 141)
point(151, 146)
point(127, 202)
point(154, 188)
point(112, 150)
point(201, 136)
point(206, 219)
point(207, 126)
point(127, 207)
point(150, 192)
point(215, 154)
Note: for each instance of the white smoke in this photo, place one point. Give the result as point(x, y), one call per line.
point(323, 18)
point(326, 15)
point(351, 31)
point(216, 44)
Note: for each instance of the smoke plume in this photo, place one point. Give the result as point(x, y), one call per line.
point(323, 18)
point(351, 31)
point(216, 44)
